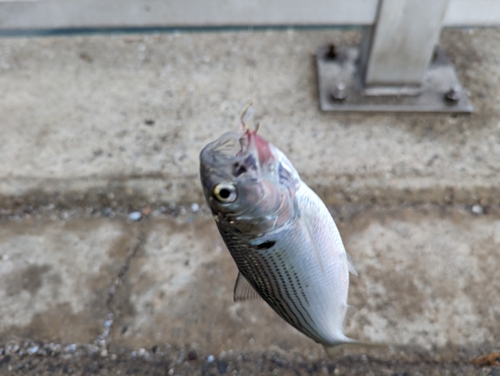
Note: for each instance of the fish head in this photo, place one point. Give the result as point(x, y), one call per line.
point(248, 182)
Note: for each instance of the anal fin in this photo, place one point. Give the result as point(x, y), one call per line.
point(243, 290)
point(349, 312)
point(337, 350)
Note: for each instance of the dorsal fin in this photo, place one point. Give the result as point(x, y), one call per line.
point(350, 265)
point(243, 290)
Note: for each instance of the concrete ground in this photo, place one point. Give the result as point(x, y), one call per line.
point(97, 127)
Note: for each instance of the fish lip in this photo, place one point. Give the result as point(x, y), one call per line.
point(234, 156)
point(245, 144)
point(212, 156)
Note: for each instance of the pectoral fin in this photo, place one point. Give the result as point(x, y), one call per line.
point(243, 290)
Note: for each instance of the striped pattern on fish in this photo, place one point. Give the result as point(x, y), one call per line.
point(300, 283)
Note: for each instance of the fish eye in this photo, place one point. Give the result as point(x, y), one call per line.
point(225, 192)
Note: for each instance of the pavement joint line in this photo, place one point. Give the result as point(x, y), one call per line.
point(242, 363)
point(344, 189)
point(464, 356)
point(344, 210)
point(56, 213)
point(102, 341)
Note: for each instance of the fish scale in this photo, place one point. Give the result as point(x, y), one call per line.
point(272, 287)
point(280, 283)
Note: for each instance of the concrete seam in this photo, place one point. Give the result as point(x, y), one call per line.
point(103, 339)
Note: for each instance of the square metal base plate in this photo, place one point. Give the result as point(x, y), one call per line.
point(342, 70)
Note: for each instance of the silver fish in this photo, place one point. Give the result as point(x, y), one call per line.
point(280, 234)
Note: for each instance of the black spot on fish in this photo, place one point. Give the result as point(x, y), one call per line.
point(284, 174)
point(238, 169)
point(266, 245)
point(250, 162)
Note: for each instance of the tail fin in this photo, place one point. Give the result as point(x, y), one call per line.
point(337, 350)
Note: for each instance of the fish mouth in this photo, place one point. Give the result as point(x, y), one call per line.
point(244, 151)
point(223, 150)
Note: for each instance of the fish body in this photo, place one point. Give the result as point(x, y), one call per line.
point(280, 234)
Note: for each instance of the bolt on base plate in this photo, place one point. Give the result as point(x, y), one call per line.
point(341, 89)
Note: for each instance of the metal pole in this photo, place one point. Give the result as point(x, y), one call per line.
point(402, 43)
